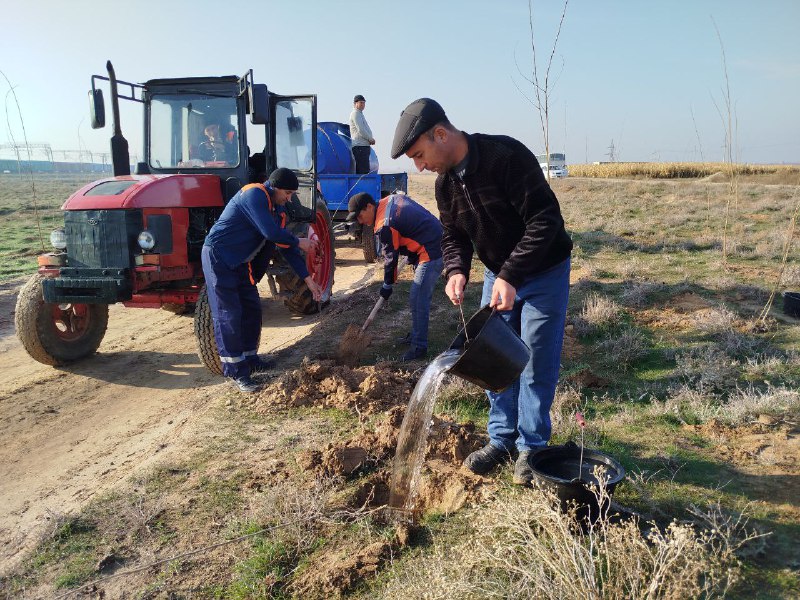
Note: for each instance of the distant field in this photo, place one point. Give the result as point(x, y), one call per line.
point(776, 174)
point(29, 211)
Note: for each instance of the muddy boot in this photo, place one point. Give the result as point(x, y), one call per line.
point(523, 473)
point(414, 353)
point(487, 458)
point(246, 385)
point(403, 341)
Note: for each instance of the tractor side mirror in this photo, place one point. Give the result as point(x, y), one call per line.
point(97, 109)
point(259, 104)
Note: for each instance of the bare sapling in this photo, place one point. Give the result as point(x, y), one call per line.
point(582, 424)
point(543, 87)
point(28, 149)
point(786, 248)
point(728, 120)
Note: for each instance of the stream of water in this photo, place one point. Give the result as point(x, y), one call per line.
point(412, 441)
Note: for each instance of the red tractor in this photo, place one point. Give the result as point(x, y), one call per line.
point(136, 239)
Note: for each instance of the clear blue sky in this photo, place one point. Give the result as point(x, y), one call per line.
point(629, 71)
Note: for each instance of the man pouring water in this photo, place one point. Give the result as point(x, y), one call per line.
point(493, 199)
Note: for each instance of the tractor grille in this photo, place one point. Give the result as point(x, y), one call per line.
point(101, 239)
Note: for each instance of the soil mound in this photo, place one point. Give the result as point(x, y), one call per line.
point(325, 384)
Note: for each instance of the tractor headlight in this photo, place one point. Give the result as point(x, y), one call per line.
point(146, 240)
point(58, 239)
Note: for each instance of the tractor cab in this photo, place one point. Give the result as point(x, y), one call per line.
point(199, 125)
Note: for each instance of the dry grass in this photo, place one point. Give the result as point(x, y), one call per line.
point(678, 170)
point(741, 406)
point(519, 546)
point(621, 350)
point(599, 313)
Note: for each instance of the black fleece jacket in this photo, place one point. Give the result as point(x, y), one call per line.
point(503, 207)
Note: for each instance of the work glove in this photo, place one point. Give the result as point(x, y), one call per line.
point(386, 291)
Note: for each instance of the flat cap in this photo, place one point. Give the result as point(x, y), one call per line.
point(358, 203)
point(417, 118)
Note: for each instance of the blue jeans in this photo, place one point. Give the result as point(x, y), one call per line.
point(425, 277)
point(520, 414)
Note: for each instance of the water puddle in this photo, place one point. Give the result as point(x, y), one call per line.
point(412, 441)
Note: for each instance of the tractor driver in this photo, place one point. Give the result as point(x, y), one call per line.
point(405, 227)
point(219, 145)
point(253, 218)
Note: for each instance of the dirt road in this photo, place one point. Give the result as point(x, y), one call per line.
point(69, 434)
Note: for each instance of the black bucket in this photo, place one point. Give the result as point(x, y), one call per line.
point(494, 356)
point(556, 468)
point(791, 304)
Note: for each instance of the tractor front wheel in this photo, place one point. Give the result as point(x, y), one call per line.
point(204, 334)
point(56, 334)
point(321, 266)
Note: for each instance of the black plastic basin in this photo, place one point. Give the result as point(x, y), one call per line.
point(791, 304)
point(557, 468)
point(492, 354)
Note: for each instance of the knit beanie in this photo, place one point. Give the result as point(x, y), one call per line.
point(283, 179)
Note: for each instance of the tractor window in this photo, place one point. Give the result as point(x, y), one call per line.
point(193, 131)
point(293, 121)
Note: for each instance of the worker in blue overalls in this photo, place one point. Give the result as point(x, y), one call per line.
point(253, 218)
point(405, 228)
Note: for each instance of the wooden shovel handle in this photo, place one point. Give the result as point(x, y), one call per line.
point(374, 312)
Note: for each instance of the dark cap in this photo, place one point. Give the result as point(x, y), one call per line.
point(359, 98)
point(283, 179)
point(358, 203)
point(416, 119)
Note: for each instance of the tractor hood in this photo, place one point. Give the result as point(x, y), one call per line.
point(147, 191)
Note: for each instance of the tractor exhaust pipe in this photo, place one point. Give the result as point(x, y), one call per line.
point(120, 157)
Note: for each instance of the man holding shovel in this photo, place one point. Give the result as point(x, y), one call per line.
point(493, 199)
point(404, 227)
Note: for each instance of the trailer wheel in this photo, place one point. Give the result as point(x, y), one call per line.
point(204, 334)
point(369, 244)
point(56, 334)
point(321, 266)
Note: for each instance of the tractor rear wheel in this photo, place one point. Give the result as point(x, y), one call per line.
point(204, 334)
point(321, 266)
point(56, 334)
point(369, 243)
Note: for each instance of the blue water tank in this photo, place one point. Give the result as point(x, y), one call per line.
point(333, 148)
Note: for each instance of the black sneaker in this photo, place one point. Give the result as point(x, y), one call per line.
point(261, 365)
point(487, 458)
point(414, 354)
point(523, 473)
point(403, 341)
point(246, 385)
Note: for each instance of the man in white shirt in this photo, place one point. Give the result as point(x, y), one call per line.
point(360, 134)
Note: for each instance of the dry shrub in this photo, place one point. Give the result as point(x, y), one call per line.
point(631, 268)
point(598, 313)
point(747, 404)
point(567, 400)
point(769, 366)
point(639, 293)
point(791, 277)
point(714, 320)
point(707, 369)
point(519, 546)
point(620, 351)
point(694, 407)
